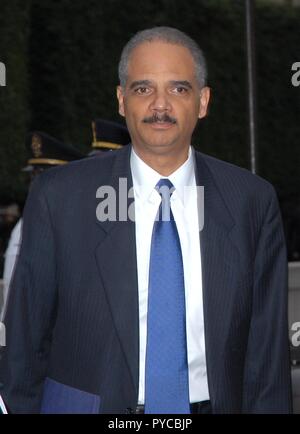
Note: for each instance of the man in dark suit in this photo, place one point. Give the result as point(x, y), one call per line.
point(160, 312)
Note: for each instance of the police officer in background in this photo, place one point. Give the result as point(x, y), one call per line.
point(108, 136)
point(44, 152)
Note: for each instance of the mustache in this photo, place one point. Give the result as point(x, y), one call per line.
point(159, 118)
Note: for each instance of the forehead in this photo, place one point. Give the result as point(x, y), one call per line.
point(158, 59)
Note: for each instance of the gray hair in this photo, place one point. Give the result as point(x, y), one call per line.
point(171, 36)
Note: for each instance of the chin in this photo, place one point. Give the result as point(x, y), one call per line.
point(162, 148)
point(160, 141)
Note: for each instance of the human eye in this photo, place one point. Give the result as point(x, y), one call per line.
point(180, 90)
point(142, 90)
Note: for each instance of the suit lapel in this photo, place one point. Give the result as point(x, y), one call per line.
point(218, 256)
point(116, 260)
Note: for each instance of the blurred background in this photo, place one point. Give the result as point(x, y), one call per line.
point(61, 62)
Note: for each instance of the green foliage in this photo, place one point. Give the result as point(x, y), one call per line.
point(65, 75)
point(79, 69)
point(278, 101)
point(14, 27)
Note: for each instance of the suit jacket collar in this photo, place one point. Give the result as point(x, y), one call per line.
point(220, 259)
point(214, 203)
point(116, 260)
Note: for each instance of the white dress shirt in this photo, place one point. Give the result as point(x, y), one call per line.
point(185, 211)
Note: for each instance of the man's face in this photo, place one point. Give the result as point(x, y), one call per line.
point(162, 99)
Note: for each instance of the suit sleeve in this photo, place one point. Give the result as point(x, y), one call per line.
point(267, 383)
point(30, 314)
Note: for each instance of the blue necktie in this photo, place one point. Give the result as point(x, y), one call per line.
point(166, 379)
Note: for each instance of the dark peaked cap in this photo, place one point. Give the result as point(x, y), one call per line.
point(45, 150)
point(108, 135)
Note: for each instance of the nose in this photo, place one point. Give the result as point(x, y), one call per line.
point(160, 102)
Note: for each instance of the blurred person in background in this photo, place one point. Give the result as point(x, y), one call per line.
point(108, 136)
point(44, 152)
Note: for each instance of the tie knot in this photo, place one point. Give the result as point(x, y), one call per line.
point(165, 188)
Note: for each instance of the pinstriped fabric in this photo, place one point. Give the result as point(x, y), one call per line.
point(73, 310)
point(246, 295)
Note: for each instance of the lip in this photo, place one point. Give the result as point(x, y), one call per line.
point(161, 125)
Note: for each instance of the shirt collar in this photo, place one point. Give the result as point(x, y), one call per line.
point(145, 178)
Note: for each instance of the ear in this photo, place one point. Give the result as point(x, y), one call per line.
point(120, 96)
point(204, 101)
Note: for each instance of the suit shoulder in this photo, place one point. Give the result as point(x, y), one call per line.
point(76, 180)
point(228, 175)
point(79, 169)
point(83, 174)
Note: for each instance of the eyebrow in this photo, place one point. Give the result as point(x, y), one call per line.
point(181, 83)
point(140, 83)
point(172, 83)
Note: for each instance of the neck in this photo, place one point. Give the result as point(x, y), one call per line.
point(164, 164)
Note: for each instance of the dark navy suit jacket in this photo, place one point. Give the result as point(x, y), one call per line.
point(72, 321)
